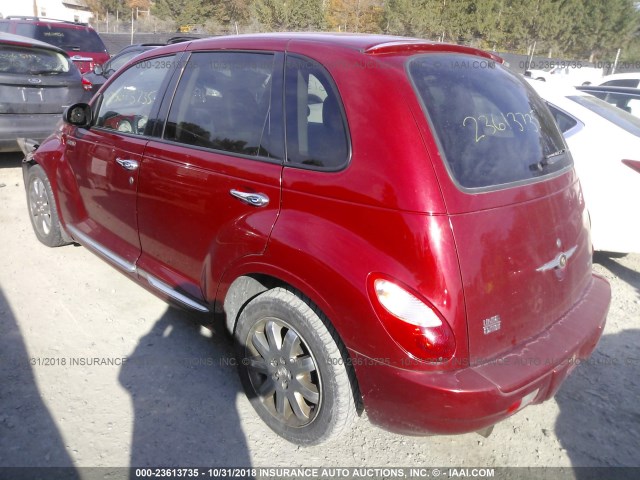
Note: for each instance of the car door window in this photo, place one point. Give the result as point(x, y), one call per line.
point(316, 129)
point(127, 102)
point(224, 102)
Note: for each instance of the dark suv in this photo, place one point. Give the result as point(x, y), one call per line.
point(379, 221)
point(79, 40)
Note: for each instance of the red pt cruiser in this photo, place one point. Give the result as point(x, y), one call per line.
point(381, 222)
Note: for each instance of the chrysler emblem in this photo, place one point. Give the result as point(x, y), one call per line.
point(559, 262)
point(562, 262)
point(34, 80)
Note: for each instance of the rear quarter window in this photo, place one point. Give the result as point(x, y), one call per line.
point(492, 128)
point(565, 122)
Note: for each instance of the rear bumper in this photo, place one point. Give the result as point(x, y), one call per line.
point(36, 126)
point(478, 396)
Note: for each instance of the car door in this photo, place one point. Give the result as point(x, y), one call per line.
point(209, 188)
point(105, 160)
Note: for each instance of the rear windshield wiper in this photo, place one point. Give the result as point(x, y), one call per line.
point(548, 160)
point(72, 47)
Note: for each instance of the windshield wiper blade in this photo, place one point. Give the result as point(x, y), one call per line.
point(548, 160)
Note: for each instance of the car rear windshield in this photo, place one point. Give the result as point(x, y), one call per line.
point(31, 61)
point(492, 128)
point(78, 39)
point(612, 113)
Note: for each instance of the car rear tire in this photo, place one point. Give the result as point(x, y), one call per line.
point(294, 369)
point(42, 208)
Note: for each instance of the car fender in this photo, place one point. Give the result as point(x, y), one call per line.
point(331, 264)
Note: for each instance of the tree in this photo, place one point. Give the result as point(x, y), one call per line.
point(407, 17)
point(607, 27)
point(232, 11)
point(355, 15)
point(283, 15)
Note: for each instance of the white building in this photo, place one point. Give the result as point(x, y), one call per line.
point(71, 10)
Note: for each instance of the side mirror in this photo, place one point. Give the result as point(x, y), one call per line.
point(78, 114)
point(97, 69)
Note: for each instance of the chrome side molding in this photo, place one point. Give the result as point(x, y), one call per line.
point(131, 268)
point(170, 292)
point(105, 252)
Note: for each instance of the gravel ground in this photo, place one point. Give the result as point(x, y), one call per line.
point(62, 308)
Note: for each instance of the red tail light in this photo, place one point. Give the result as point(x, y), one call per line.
point(86, 84)
point(634, 164)
point(412, 322)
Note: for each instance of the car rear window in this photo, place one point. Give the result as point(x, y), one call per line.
point(32, 61)
point(492, 128)
point(610, 112)
point(79, 39)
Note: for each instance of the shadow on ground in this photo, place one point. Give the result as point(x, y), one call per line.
point(10, 160)
point(29, 436)
point(183, 387)
point(621, 271)
point(606, 388)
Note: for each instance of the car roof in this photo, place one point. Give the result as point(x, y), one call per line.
point(372, 44)
point(28, 42)
point(550, 90)
point(622, 76)
point(140, 46)
point(610, 89)
point(47, 21)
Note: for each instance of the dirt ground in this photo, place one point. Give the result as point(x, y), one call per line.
point(67, 319)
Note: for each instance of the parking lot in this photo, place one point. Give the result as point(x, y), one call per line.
point(95, 371)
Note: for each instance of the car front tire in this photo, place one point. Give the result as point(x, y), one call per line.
point(292, 368)
point(42, 208)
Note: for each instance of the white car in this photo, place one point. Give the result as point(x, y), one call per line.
point(568, 75)
point(605, 144)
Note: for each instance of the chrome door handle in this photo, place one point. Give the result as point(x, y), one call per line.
point(128, 164)
point(255, 199)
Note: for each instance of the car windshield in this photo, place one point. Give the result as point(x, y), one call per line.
point(69, 39)
point(615, 115)
point(492, 128)
point(32, 61)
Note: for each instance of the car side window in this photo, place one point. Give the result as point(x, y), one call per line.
point(127, 102)
point(24, 29)
point(316, 129)
point(564, 121)
point(224, 102)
